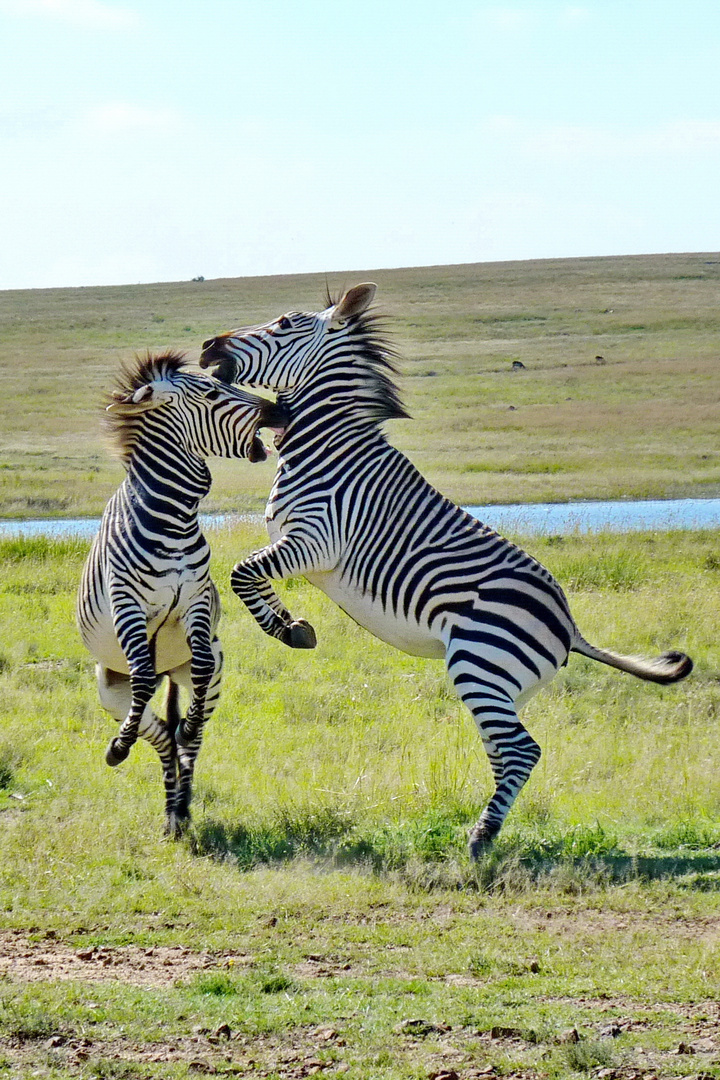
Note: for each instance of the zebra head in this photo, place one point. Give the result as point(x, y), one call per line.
point(159, 397)
point(282, 354)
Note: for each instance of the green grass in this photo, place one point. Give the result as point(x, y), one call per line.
point(324, 893)
point(641, 423)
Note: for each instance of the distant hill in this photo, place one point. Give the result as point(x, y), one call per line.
point(528, 381)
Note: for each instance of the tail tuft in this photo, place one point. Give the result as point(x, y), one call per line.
point(668, 668)
point(677, 665)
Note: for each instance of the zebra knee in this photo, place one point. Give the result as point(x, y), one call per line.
point(529, 751)
point(241, 581)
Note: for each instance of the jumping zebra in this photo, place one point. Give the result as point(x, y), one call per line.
point(355, 517)
point(147, 606)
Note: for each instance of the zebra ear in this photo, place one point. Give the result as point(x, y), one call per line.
point(140, 400)
point(354, 302)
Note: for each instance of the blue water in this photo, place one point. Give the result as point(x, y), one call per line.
point(530, 518)
point(556, 518)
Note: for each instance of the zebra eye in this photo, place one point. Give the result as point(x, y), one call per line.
point(284, 323)
point(212, 395)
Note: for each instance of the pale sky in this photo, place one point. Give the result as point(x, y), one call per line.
point(157, 140)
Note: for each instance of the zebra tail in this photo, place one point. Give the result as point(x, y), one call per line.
point(173, 715)
point(668, 668)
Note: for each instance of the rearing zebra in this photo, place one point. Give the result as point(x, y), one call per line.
point(147, 606)
point(353, 515)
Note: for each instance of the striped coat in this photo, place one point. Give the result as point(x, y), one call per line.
point(355, 517)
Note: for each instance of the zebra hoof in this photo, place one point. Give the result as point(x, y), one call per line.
point(116, 753)
point(301, 635)
point(174, 827)
point(481, 838)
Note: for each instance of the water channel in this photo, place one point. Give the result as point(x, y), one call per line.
point(527, 519)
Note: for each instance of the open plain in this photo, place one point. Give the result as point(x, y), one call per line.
point(618, 396)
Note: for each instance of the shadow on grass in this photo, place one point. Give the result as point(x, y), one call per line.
point(430, 851)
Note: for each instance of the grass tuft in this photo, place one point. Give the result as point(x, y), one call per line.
point(584, 1056)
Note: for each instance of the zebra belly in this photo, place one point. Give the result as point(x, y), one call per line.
point(394, 628)
point(171, 649)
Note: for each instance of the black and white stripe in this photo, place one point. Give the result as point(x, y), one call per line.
point(147, 607)
point(354, 516)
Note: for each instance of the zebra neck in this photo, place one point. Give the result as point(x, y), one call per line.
point(333, 420)
point(167, 482)
point(349, 391)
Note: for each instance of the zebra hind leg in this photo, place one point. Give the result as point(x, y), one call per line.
point(512, 752)
point(189, 731)
point(173, 825)
point(116, 695)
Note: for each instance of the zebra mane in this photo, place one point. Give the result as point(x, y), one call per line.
point(120, 428)
point(378, 357)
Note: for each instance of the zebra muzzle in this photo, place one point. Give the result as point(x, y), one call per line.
point(258, 450)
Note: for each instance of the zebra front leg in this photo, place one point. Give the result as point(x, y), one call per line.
point(512, 752)
point(130, 626)
point(116, 697)
point(289, 557)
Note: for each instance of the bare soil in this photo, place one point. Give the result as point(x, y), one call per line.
point(446, 1052)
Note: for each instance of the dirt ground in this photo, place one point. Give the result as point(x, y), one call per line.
point(459, 1053)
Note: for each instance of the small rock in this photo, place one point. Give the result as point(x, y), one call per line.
point(223, 1032)
point(684, 1048)
point(325, 1034)
point(534, 967)
point(444, 1074)
point(572, 1035)
point(499, 1032)
point(54, 1041)
point(419, 1027)
point(610, 1031)
point(85, 954)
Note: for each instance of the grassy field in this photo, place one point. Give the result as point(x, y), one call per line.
point(640, 421)
point(323, 918)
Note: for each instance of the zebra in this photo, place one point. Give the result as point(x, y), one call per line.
point(354, 516)
point(147, 607)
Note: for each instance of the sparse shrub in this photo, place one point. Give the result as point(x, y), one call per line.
point(481, 965)
point(584, 1056)
point(276, 983)
point(215, 984)
point(10, 761)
